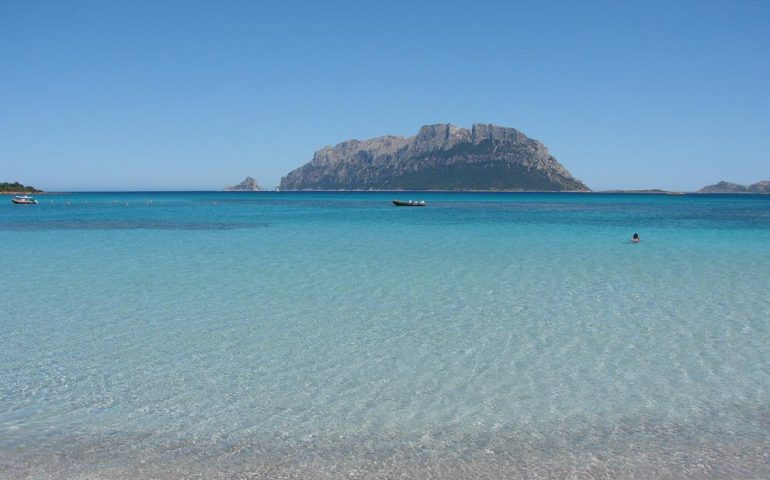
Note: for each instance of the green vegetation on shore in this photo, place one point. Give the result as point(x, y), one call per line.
point(16, 187)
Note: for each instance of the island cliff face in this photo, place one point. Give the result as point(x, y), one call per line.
point(439, 157)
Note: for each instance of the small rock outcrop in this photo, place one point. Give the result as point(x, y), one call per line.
point(247, 185)
point(439, 157)
point(729, 187)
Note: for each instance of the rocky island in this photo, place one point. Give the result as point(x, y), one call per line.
point(439, 157)
point(729, 187)
point(247, 185)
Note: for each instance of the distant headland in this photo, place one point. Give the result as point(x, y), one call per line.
point(729, 187)
point(440, 157)
point(649, 191)
point(16, 187)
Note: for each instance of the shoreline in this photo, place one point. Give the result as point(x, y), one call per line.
point(625, 451)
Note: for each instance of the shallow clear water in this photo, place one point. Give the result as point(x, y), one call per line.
point(287, 335)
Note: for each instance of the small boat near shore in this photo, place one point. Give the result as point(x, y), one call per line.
point(23, 200)
point(409, 203)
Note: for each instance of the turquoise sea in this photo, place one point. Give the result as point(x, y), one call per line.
point(333, 335)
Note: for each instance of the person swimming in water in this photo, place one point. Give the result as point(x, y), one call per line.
point(635, 238)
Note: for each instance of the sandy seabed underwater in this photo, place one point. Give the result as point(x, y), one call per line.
point(332, 335)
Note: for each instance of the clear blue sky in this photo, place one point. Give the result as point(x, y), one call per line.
point(136, 94)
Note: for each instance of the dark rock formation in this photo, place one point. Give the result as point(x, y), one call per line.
point(248, 185)
point(729, 187)
point(439, 157)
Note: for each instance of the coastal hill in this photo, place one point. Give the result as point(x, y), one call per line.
point(728, 187)
point(439, 157)
point(247, 185)
point(16, 187)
